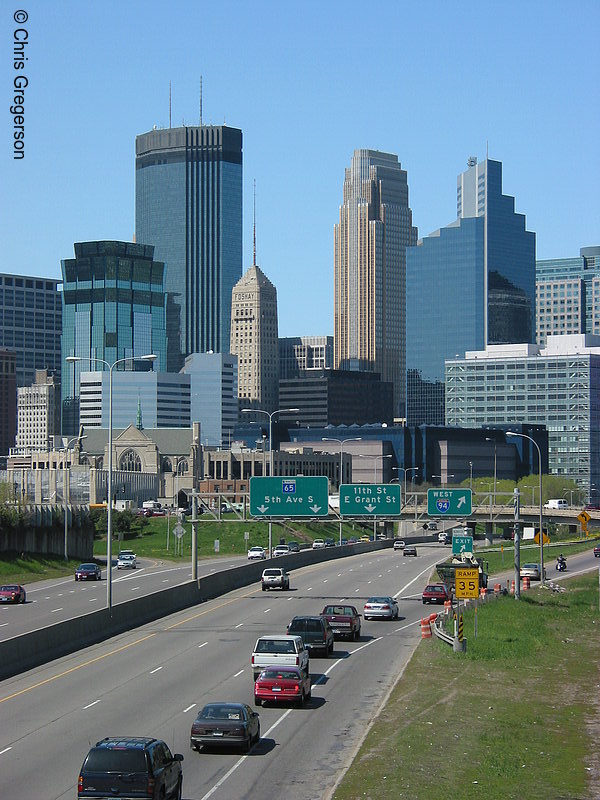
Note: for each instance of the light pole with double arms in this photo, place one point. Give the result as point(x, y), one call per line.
point(374, 459)
point(92, 360)
point(405, 470)
point(341, 444)
point(270, 415)
point(524, 436)
point(66, 490)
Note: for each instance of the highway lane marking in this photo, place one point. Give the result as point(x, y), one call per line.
point(92, 599)
point(134, 588)
point(266, 611)
point(416, 578)
point(152, 671)
point(6, 749)
point(239, 625)
point(238, 673)
point(3, 624)
point(203, 644)
point(91, 704)
point(54, 610)
point(76, 668)
point(309, 588)
point(189, 708)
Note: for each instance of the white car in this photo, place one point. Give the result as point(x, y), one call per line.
point(399, 544)
point(281, 550)
point(126, 561)
point(256, 553)
point(318, 544)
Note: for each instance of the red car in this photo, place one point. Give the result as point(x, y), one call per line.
point(282, 684)
point(436, 593)
point(12, 593)
point(88, 572)
point(597, 551)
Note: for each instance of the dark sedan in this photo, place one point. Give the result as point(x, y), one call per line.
point(88, 572)
point(225, 725)
point(12, 593)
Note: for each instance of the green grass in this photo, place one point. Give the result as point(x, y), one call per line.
point(501, 561)
point(516, 716)
point(31, 568)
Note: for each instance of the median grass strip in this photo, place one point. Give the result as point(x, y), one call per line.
point(516, 716)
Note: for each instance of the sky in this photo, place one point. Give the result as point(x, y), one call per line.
point(307, 83)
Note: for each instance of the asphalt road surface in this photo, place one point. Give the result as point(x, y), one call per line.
point(153, 680)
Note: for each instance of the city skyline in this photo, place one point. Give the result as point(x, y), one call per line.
point(304, 103)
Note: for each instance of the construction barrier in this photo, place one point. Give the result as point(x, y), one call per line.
point(512, 587)
point(482, 593)
point(425, 629)
point(432, 618)
point(447, 607)
point(526, 582)
point(497, 588)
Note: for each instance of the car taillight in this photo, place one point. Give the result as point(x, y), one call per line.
point(297, 661)
point(150, 787)
point(80, 784)
point(253, 659)
point(385, 608)
point(296, 687)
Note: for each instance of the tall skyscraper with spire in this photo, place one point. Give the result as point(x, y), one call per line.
point(370, 240)
point(188, 204)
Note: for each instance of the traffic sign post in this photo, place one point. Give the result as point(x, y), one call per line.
point(289, 496)
point(461, 544)
point(466, 582)
point(370, 500)
point(449, 502)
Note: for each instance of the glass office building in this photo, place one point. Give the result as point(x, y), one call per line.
point(568, 295)
point(468, 285)
point(113, 308)
point(214, 395)
point(557, 386)
point(188, 204)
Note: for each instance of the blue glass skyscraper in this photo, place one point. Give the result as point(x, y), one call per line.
point(188, 203)
point(468, 285)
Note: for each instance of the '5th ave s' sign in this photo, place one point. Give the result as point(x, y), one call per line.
point(449, 502)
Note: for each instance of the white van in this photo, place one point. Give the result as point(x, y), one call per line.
point(556, 503)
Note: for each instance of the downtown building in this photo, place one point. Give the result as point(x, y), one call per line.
point(8, 401)
point(188, 204)
point(38, 413)
point(568, 295)
point(370, 240)
point(557, 386)
point(304, 353)
point(468, 285)
point(213, 396)
point(113, 309)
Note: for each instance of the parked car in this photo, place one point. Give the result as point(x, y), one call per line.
point(282, 684)
point(343, 620)
point(256, 553)
point(531, 571)
point(380, 607)
point(399, 544)
point(12, 593)
point(128, 766)
point(597, 551)
point(225, 725)
point(436, 593)
point(88, 572)
point(281, 550)
point(275, 578)
point(126, 561)
point(409, 550)
point(294, 547)
point(315, 632)
point(318, 544)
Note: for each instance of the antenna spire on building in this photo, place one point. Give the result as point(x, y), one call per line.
point(200, 100)
point(169, 104)
point(254, 229)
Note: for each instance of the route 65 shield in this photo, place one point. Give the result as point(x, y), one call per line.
point(442, 505)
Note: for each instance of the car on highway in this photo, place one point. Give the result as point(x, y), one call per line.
point(329, 542)
point(437, 593)
point(88, 572)
point(364, 539)
point(443, 537)
point(380, 608)
point(318, 544)
point(531, 571)
point(281, 550)
point(12, 593)
point(125, 553)
point(126, 561)
point(225, 725)
point(282, 685)
point(274, 578)
point(597, 551)
point(315, 632)
point(399, 544)
point(294, 547)
point(130, 766)
point(430, 526)
point(343, 620)
point(409, 550)
point(256, 553)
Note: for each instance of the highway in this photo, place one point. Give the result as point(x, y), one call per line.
point(152, 681)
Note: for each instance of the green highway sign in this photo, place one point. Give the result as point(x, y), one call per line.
point(449, 503)
point(461, 544)
point(370, 499)
point(289, 497)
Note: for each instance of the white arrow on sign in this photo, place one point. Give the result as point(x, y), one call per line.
point(461, 501)
point(370, 508)
point(315, 508)
point(262, 509)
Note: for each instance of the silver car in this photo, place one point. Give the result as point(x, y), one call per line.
point(380, 607)
point(126, 561)
point(531, 571)
point(256, 553)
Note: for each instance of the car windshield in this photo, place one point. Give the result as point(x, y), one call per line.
point(87, 566)
point(102, 759)
point(271, 573)
point(215, 711)
point(275, 646)
point(9, 588)
point(530, 566)
point(281, 674)
point(378, 600)
point(435, 589)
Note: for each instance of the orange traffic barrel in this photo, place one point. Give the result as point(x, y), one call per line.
point(432, 618)
point(425, 629)
point(447, 606)
point(497, 588)
point(526, 582)
point(512, 587)
point(482, 593)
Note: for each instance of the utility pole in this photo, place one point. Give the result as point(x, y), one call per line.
point(516, 501)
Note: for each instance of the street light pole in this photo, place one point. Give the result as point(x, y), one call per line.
point(73, 359)
point(524, 436)
point(387, 455)
point(67, 490)
point(489, 439)
point(341, 444)
point(270, 415)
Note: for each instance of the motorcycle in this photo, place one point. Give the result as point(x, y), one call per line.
point(561, 565)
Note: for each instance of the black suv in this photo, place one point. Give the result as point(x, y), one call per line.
point(128, 766)
point(315, 632)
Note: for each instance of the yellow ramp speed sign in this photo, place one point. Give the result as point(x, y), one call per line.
point(466, 582)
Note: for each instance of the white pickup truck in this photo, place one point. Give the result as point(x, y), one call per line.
point(278, 649)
